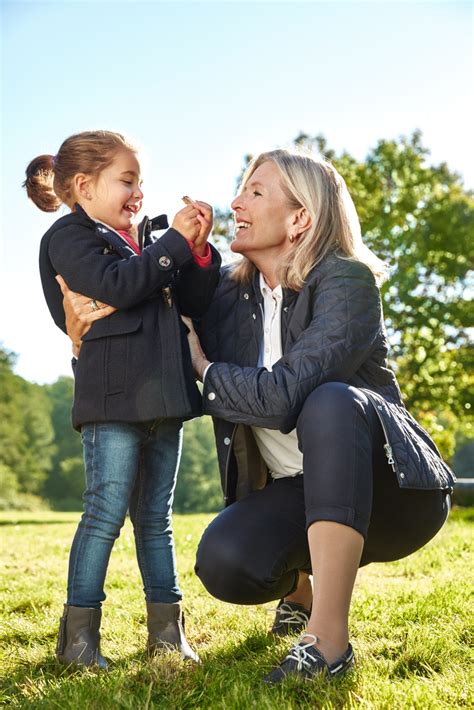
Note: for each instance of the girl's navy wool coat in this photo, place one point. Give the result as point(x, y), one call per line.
point(134, 365)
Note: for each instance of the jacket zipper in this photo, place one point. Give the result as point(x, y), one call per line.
point(227, 463)
point(387, 447)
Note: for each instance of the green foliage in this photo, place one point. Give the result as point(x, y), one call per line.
point(198, 487)
point(65, 482)
point(411, 627)
point(26, 433)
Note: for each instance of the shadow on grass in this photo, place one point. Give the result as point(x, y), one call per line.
point(229, 678)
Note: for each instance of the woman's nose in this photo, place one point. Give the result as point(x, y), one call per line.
point(236, 203)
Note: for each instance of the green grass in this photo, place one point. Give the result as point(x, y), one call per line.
point(411, 627)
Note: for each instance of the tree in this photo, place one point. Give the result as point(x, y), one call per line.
point(65, 482)
point(198, 488)
point(26, 433)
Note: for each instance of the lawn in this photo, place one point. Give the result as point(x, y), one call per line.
point(411, 627)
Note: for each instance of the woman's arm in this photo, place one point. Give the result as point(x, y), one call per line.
point(80, 314)
point(344, 328)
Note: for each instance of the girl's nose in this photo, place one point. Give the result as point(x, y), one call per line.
point(139, 193)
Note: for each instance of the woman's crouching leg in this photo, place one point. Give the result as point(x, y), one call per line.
point(252, 552)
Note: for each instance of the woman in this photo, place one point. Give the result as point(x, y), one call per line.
point(323, 468)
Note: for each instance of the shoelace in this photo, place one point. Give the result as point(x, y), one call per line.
point(287, 615)
point(299, 653)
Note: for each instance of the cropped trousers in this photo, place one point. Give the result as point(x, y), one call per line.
point(252, 552)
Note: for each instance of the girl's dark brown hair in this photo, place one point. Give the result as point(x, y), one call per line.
point(49, 178)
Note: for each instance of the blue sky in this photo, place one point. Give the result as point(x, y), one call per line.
point(201, 84)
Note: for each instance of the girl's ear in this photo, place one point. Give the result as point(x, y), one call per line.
point(82, 184)
point(301, 221)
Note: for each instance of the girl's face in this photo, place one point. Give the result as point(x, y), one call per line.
point(263, 215)
point(115, 196)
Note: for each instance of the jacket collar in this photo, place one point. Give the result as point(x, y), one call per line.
point(107, 233)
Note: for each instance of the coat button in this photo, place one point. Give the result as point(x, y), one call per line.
point(227, 441)
point(402, 475)
point(246, 296)
point(211, 396)
point(254, 316)
point(379, 406)
point(164, 261)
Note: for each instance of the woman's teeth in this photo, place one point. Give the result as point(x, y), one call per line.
point(242, 225)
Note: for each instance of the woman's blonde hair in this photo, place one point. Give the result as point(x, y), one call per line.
point(315, 184)
point(49, 177)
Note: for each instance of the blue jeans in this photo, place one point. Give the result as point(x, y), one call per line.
point(127, 466)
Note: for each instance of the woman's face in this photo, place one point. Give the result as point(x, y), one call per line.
point(263, 215)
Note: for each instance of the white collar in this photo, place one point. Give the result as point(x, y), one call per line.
point(276, 292)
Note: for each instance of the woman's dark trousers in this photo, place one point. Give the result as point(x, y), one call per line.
point(252, 551)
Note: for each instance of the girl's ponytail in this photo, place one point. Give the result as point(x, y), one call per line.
point(50, 179)
point(39, 183)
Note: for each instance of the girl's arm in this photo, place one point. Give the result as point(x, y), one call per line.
point(195, 285)
point(77, 253)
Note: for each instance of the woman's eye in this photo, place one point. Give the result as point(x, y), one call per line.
point(256, 193)
point(127, 182)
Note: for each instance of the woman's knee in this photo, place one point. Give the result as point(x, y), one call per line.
point(328, 407)
point(232, 570)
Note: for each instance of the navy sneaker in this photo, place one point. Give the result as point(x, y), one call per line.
point(290, 618)
point(306, 661)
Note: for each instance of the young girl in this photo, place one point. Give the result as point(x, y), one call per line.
point(133, 378)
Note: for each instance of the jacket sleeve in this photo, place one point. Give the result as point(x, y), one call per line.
point(344, 326)
point(78, 255)
point(195, 286)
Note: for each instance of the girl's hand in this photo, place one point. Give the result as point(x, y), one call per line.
point(81, 311)
point(186, 222)
point(199, 360)
point(205, 218)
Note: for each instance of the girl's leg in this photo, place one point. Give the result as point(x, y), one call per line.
point(111, 455)
point(151, 509)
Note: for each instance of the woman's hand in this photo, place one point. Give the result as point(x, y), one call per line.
point(81, 311)
point(199, 360)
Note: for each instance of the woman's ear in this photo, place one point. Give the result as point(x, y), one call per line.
point(82, 184)
point(301, 221)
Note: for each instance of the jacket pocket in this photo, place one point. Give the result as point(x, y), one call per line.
point(112, 326)
point(117, 337)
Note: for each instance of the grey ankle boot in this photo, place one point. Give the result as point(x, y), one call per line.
point(79, 637)
point(166, 630)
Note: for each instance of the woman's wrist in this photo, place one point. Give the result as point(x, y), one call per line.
point(201, 368)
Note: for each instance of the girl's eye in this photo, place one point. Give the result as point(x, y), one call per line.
point(127, 182)
point(256, 193)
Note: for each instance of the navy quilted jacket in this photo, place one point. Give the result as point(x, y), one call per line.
point(332, 330)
